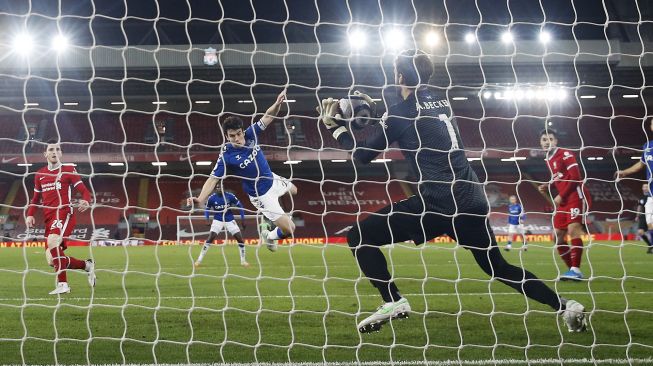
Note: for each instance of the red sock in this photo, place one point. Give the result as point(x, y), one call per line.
point(565, 252)
point(576, 252)
point(60, 263)
point(76, 263)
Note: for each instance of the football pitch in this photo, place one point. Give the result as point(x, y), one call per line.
point(302, 304)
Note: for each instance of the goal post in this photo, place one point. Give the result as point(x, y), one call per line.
point(195, 229)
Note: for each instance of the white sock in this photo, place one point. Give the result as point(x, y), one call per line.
point(273, 234)
point(205, 249)
point(575, 269)
point(241, 249)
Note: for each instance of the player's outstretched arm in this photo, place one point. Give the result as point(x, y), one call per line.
point(638, 166)
point(30, 221)
point(365, 150)
point(208, 187)
point(84, 203)
point(274, 109)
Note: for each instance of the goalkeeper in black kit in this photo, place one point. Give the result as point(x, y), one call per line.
point(450, 201)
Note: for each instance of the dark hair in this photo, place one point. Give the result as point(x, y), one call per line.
point(549, 131)
point(50, 141)
point(232, 123)
point(415, 66)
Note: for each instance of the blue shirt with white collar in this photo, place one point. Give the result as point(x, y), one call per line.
point(247, 162)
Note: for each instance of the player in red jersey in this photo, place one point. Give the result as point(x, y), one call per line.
point(53, 185)
point(571, 203)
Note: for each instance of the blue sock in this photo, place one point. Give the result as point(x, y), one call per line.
point(280, 234)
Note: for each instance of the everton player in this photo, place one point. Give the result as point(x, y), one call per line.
point(53, 185)
point(571, 202)
point(450, 199)
point(646, 162)
point(219, 204)
point(242, 156)
point(643, 220)
point(516, 217)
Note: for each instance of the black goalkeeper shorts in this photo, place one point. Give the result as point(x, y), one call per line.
point(409, 220)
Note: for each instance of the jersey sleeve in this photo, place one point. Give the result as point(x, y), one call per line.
point(384, 134)
point(643, 158)
point(219, 168)
point(36, 198)
point(254, 130)
point(77, 183)
point(236, 202)
point(207, 209)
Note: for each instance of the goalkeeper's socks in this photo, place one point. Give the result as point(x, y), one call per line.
point(277, 234)
point(389, 291)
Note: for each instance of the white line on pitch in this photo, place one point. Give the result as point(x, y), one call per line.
point(498, 361)
point(313, 296)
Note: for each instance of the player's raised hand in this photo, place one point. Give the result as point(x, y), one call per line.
point(620, 174)
point(558, 200)
point(83, 205)
point(190, 201)
point(367, 99)
point(329, 113)
point(30, 222)
point(281, 97)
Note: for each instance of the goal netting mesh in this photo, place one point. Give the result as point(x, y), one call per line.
point(135, 90)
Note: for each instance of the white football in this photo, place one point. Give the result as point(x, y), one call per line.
point(355, 109)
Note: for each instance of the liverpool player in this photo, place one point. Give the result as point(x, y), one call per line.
point(571, 202)
point(53, 186)
point(450, 199)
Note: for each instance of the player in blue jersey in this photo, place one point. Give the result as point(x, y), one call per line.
point(220, 205)
point(242, 156)
point(516, 217)
point(646, 161)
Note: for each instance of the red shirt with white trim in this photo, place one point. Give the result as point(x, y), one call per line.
point(566, 175)
point(54, 188)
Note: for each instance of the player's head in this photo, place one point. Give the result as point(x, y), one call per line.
point(233, 129)
point(548, 139)
point(52, 151)
point(218, 189)
point(513, 199)
point(412, 67)
point(645, 188)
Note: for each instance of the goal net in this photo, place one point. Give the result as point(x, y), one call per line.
point(135, 92)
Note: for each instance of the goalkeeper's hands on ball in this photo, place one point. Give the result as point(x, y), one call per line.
point(330, 117)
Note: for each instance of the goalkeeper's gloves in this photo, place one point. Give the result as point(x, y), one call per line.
point(368, 100)
point(329, 116)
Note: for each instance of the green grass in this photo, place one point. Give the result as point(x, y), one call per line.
point(301, 304)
